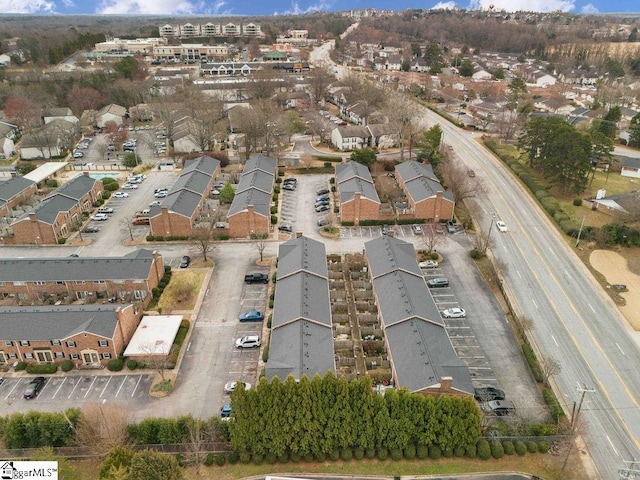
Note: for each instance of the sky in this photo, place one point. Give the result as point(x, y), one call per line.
point(289, 7)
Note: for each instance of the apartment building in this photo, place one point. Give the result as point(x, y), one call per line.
point(426, 197)
point(190, 52)
point(357, 193)
point(127, 279)
point(13, 192)
point(210, 29)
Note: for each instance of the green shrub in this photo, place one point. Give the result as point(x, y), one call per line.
point(532, 447)
point(497, 451)
point(245, 457)
point(475, 254)
point(208, 459)
point(276, 189)
point(382, 454)
point(221, 459)
point(270, 458)
point(20, 366)
point(334, 456)
point(284, 458)
point(434, 256)
point(115, 365)
point(274, 219)
point(279, 180)
point(577, 202)
point(269, 319)
point(521, 448)
point(459, 452)
point(447, 452)
point(556, 409)
point(167, 270)
point(132, 364)
point(410, 452)
point(508, 447)
point(346, 454)
point(275, 198)
point(472, 451)
point(234, 457)
point(66, 365)
point(308, 457)
point(532, 362)
point(396, 454)
point(258, 458)
point(62, 241)
point(265, 354)
point(321, 457)
point(159, 238)
point(347, 224)
point(150, 238)
point(543, 447)
point(422, 452)
point(434, 452)
point(370, 453)
point(358, 453)
point(483, 449)
point(274, 210)
point(38, 369)
point(295, 457)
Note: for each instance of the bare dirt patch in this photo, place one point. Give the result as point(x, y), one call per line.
point(616, 270)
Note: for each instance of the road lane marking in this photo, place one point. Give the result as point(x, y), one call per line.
point(90, 387)
point(188, 346)
point(134, 388)
point(105, 387)
point(552, 252)
point(58, 389)
point(621, 351)
point(534, 304)
point(592, 309)
point(614, 448)
point(555, 341)
point(121, 385)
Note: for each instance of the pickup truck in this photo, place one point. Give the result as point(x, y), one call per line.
point(256, 278)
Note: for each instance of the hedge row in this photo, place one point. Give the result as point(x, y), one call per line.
point(169, 238)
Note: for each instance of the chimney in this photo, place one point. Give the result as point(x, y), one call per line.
point(32, 217)
point(445, 384)
point(298, 234)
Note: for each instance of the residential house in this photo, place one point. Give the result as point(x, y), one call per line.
point(422, 357)
point(624, 203)
point(543, 79)
point(183, 135)
point(13, 192)
point(227, 68)
point(250, 211)
point(301, 339)
point(350, 137)
point(88, 335)
point(62, 113)
point(427, 200)
point(419, 64)
point(127, 279)
point(357, 193)
point(180, 211)
point(111, 113)
point(480, 74)
point(57, 215)
point(382, 135)
point(630, 167)
point(393, 63)
point(49, 140)
point(7, 147)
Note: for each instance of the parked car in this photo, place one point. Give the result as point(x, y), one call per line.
point(385, 229)
point(248, 341)
point(322, 221)
point(451, 227)
point(161, 189)
point(120, 195)
point(78, 155)
point(498, 407)
point(454, 312)
point(289, 186)
point(322, 208)
point(484, 394)
point(229, 387)
point(428, 264)
point(105, 210)
point(417, 229)
point(256, 278)
point(285, 227)
point(322, 191)
point(34, 387)
point(100, 217)
point(141, 221)
point(155, 202)
point(225, 411)
point(502, 226)
point(471, 173)
point(252, 316)
point(1, 380)
point(186, 260)
point(161, 194)
point(438, 282)
point(129, 186)
point(90, 230)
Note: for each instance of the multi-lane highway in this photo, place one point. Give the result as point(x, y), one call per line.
point(573, 320)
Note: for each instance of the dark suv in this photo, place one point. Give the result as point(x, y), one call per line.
point(438, 282)
point(34, 387)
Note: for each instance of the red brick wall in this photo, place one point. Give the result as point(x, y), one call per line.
point(358, 209)
point(243, 224)
point(171, 223)
point(434, 208)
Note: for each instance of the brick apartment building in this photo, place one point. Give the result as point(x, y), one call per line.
point(13, 192)
point(179, 212)
point(250, 212)
point(357, 193)
point(127, 279)
point(56, 216)
point(84, 334)
point(426, 196)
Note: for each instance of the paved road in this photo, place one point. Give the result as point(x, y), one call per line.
point(574, 320)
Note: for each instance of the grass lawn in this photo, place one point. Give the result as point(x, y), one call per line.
point(182, 291)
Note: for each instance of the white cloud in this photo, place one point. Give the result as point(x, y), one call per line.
point(151, 7)
point(589, 8)
point(524, 5)
point(27, 6)
point(296, 9)
point(444, 6)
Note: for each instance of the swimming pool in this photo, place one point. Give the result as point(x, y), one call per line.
point(100, 176)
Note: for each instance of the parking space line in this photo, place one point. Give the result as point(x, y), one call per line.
point(11, 391)
point(79, 379)
point(105, 387)
point(121, 385)
point(90, 387)
point(135, 388)
point(58, 390)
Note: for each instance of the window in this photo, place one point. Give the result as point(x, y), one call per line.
point(28, 355)
point(39, 283)
point(140, 294)
point(24, 343)
point(12, 355)
point(71, 344)
point(8, 343)
point(78, 282)
point(74, 356)
point(103, 343)
point(18, 284)
point(106, 355)
point(59, 282)
point(59, 355)
point(44, 356)
point(2, 284)
point(56, 342)
point(99, 281)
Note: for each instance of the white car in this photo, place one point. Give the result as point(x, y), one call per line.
point(120, 195)
point(154, 203)
point(417, 229)
point(129, 186)
point(454, 313)
point(78, 155)
point(100, 217)
point(502, 226)
point(229, 387)
point(428, 264)
point(162, 194)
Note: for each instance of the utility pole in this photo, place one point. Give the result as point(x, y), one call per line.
point(580, 231)
point(631, 470)
point(575, 416)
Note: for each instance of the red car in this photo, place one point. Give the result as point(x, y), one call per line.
point(141, 221)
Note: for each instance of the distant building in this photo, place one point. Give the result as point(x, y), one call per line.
point(211, 29)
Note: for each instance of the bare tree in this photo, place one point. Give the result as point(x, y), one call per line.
point(260, 243)
point(431, 239)
point(550, 366)
point(401, 112)
point(102, 427)
point(196, 442)
point(319, 81)
point(126, 226)
point(462, 185)
point(202, 238)
point(157, 356)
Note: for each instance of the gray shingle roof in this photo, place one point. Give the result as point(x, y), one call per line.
point(184, 202)
point(350, 187)
point(129, 267)
point(76, 188)
point(420, 181)
point(204, 164)
point(353, 132)
point(50, 208)
point(261, 162)
point(13, 187)
point(256, 184)
point(256, 179)
point(301, 337)
point(261, 202)
point(57, 323)
point(418, 343)
point(345, 171)
point(412, 169)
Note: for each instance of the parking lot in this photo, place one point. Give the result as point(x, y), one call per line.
point(149, 148)
point(298, 207)
point(77, 390)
